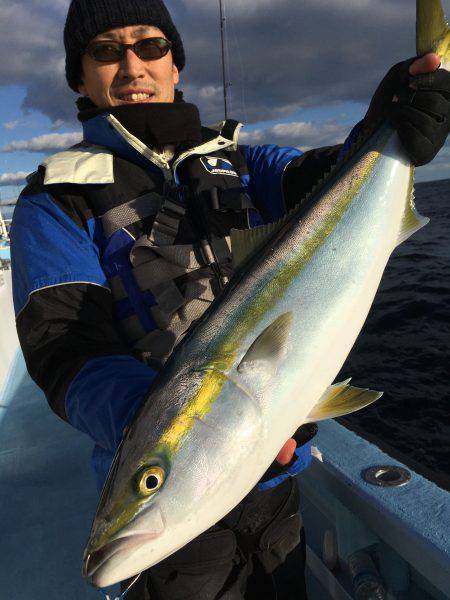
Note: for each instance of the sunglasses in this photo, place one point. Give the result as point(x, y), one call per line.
point(146, 49)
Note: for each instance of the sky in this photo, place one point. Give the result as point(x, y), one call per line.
point(302, 72)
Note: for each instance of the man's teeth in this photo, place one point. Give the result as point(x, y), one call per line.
point(136, 97)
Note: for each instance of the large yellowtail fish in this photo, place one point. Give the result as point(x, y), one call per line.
point(262, 360)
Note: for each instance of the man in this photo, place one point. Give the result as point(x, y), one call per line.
point(121, 243)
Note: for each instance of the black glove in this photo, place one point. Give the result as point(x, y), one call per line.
point(421, 115)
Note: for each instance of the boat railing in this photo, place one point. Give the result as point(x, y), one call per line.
point(5, 224)
point(406, 524)
point(5, 257)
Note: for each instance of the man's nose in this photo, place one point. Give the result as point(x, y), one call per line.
point(131, 66)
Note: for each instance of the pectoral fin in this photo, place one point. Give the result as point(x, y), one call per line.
point(342, 399)
point(270, 345)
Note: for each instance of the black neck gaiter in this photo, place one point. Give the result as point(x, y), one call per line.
point(155, 124)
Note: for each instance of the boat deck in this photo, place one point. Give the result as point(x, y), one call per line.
point(47, 495)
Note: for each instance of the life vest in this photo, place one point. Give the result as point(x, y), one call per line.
point(165, 245)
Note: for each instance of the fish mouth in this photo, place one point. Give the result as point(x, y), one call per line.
point(95, 561)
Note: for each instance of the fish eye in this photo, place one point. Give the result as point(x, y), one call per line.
point(150, 480)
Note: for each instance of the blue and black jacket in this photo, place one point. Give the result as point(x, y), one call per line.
point(71, 239)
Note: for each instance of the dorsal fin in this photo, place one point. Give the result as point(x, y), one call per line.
point(335, 169)
point(247, 242)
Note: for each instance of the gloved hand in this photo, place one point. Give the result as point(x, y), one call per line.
point(415, 98)
point(292, 458)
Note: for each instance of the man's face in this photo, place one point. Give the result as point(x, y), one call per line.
point(111, 84)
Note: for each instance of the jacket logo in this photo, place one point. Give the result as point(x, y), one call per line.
point(218, 166)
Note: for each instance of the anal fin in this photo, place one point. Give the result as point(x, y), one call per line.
point(342, 399)
point(412, 221)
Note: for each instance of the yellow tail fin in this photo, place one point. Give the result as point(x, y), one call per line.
point(432, 30)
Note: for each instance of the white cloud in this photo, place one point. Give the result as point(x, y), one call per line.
point(58, 123)
point(210, 91)
point(13, 178)
point(49, 142)
point(300, 134)
point(12, 124)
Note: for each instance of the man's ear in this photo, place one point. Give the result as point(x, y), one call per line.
point(81, 86)
point(82, 89)
point(176, 75)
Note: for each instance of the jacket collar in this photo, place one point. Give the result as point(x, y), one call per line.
point(106, 130)
point(91, 162)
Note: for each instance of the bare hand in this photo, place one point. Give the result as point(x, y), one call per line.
point(287, 452)
point(426, 64)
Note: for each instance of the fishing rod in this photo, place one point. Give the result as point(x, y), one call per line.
point(226, 84)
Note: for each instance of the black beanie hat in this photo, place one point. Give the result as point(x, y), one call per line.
point(87, 18)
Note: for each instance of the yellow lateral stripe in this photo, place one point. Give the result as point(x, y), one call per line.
point(197, 408)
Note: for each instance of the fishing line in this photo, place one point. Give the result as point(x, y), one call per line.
point(241, 65)
point(123, 594)
point(225, 59)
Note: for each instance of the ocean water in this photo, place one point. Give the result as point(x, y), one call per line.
point(404, 348)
